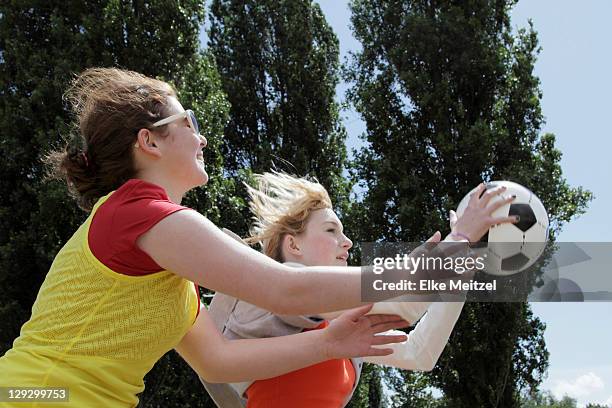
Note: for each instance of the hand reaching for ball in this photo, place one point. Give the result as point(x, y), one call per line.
point(477, 217)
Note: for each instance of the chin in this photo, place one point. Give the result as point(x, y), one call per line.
point(203, 178)
point(202, 181)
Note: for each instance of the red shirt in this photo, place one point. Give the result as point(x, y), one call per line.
point(133, 209)
point(323, 385)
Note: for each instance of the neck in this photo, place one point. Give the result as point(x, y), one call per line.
point(175, 193)
point(298, 260)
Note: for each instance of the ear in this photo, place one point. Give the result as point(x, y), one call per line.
point(291, 245)
point(145, 142)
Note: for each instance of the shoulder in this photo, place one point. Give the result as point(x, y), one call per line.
point(136, 190)
point(139, 200)
point(129, 212)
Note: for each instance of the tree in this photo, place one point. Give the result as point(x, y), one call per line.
point(538, 399)
point(369, 391)
point(449, 99)
point(412, 389)
point(42, 45)
point(278, 62)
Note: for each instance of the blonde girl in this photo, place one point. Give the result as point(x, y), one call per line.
point(294, 223)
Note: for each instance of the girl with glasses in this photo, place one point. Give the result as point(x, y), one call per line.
point(123, 289)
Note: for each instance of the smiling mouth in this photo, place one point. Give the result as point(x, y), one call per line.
point(342, 257)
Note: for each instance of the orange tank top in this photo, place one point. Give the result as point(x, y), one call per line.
point(323, 385)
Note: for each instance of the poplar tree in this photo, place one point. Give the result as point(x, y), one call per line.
point(449, 98)
point(278, 62)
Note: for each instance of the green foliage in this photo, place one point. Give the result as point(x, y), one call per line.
point(412, 389)
point(539, 399)
point(546, 400)
point(278, 62)
point(449, 98)
point(174, 384)
point(500, 357)
point(369, 392)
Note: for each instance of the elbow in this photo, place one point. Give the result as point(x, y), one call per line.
point(212, 370)
point(208, 377)
point(426, 365)
point(222, 369)
point(216, 374)
point(425, 362)
point(208, 373)
point(213, 377)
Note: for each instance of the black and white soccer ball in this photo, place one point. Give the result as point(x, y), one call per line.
point(511, 248)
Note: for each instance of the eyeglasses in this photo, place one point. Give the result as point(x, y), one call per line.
point(193, 122)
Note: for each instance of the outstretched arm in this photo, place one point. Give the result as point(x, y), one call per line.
point(190, 246)
point(217, 359)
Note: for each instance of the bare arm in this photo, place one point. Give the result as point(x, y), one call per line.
point(190, 246)
point(217, 359)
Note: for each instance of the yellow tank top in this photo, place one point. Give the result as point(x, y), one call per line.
point(95, 331)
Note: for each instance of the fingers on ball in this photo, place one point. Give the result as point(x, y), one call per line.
point(501, 203)
point(492, 193)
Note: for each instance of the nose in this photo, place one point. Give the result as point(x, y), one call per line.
point(347, 243)
point(203, 141)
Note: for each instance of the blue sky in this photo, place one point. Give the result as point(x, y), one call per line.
point(573, 68)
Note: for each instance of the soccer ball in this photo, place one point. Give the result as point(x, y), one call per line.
point(511, 248)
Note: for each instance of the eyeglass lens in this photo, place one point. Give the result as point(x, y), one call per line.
point(194, 121)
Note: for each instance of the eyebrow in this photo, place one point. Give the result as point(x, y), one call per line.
point(335, 224)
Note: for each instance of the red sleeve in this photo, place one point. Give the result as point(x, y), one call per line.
point(127, 214)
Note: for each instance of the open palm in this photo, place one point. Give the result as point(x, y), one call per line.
point(353, 334)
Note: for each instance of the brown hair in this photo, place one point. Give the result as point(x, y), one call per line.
point(281, 204)
point(110, 107)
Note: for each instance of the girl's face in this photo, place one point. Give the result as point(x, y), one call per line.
point(183, 149)
point(323, 242)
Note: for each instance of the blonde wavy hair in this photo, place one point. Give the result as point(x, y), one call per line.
point(281, 204)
